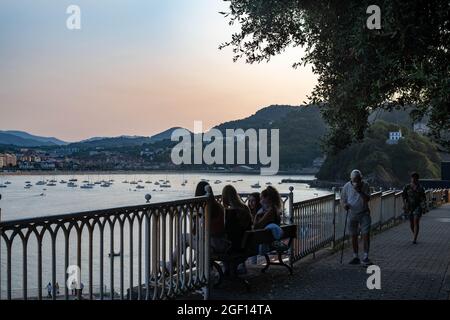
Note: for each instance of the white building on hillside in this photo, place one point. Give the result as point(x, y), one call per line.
point(394, 137)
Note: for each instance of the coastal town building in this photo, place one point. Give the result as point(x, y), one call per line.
point(7, 160)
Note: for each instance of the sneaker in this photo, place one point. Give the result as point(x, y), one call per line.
point(414, 242)
point(367, 262)
point(355, 261)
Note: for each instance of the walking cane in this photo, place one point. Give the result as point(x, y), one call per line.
point(343, 239)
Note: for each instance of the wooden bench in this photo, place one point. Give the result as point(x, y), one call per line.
point(251, 243)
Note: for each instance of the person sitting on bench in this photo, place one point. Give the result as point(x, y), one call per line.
point(272, 207)
point(238, 220)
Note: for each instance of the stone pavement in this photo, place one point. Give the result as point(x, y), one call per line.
point(407, 271)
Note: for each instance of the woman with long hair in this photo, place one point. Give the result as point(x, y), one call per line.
point(237, 216)
point(272, 207)
point(238, 220)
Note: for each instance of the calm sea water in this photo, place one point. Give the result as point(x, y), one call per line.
point(18, 202)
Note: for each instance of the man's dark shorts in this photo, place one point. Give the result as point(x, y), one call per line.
point(362, 220)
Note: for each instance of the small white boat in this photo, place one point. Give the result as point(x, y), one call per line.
point(7, 182)
point(3, 186)
point(133, 182)
point(41, 183)
point(217, 182)
point(86, 186)
point(51, 184)
point(72, 185)
point(63, 182)
point(125, 181)
point(165, 185)
point(148, 182)
point(140, 187)
point(256, 186)
point(156, 183)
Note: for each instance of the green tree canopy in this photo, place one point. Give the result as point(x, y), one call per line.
point(359, 70)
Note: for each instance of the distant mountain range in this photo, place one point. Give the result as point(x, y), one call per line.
point(24, 139)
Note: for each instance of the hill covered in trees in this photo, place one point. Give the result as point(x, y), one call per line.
point(301, 130)
point(382, 164)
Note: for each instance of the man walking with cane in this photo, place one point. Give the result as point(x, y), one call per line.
point(355, 197)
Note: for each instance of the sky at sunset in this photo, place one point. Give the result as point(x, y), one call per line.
point(136, 67)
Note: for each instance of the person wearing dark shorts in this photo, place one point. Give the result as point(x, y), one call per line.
point(414, 204)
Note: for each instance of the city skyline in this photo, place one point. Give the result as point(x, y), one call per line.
point(133, 69)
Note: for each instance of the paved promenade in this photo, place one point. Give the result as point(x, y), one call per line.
point(408, 271)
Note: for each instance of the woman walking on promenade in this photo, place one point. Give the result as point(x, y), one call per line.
point(414, 201)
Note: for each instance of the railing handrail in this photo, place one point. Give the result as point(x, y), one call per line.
point(388, 193)
point(100, 212)
point(308, 201)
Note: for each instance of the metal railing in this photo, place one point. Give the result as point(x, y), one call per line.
point(140, 252)
point(321, 221)
point(172, 254)
point(315, 224)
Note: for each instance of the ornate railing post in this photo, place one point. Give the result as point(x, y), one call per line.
point(291, 205)
point(207, 233)
point(333, 244)
point(291, 220)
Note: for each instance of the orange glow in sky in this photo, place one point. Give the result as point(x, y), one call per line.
point(135, 68)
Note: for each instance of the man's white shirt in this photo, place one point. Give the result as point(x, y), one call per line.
point(352, 197)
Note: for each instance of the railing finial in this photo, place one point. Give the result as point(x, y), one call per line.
point(148, 196)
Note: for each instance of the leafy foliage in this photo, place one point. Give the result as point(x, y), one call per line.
point(360, 70)
point(383, 164)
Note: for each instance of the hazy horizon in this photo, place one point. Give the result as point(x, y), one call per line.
point(135, 68)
